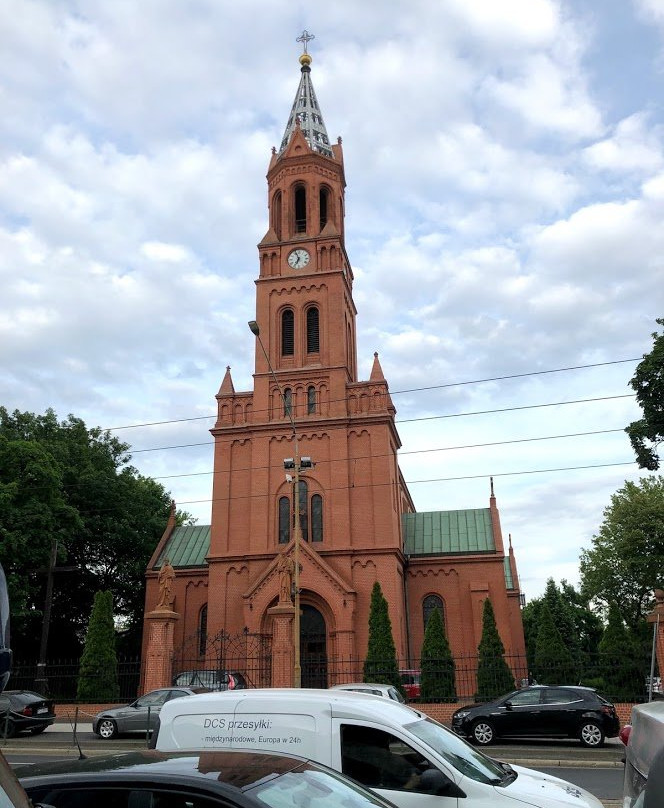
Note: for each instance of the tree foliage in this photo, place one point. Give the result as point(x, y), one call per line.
point(626, 561)
point(622, 664)
point(98, 673)
point(437, 681)
point(381, 664)
point(494, 676)
point(553, 663)
point(62, 482)
point(648, 382)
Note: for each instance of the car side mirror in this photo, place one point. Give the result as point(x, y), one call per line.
point(508, 705)
point(433, 781)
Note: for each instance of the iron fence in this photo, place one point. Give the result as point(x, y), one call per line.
point(618, 680)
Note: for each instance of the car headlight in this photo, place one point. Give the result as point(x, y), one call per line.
point(461, 714)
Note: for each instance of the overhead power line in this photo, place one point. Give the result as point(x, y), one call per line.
point(399, 392)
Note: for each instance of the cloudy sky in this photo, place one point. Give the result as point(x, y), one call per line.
point(505, 168)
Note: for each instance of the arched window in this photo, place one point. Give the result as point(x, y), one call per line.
point(430, 603)
point(322, 205)
point(276, 214)
point(288, 402)
point(304, 510)
point(287, 333)
point(284, 520)
point(316, 518)
point(311, 400)
point(202, 631)
point(300, 209)
point(313, 339)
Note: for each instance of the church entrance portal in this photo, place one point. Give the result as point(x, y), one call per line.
point(313, 648)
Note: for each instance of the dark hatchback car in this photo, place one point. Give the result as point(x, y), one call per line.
point(24, 711)
point(234, 779)
point(540, 711)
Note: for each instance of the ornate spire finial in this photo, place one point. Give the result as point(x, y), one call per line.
point(491, 479)
point(305, 37)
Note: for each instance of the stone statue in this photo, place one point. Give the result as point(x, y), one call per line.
point(166, 577)
point(285, 568)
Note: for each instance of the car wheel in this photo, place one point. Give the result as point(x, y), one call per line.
point(7, 728)
point(482, 732)
point(37, 730)
point(591, 734)
point(107, 729)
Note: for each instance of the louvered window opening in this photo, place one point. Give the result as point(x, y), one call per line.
point(313, 335)
point(287, 333)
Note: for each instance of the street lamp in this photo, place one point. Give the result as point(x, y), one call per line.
point(296, 465)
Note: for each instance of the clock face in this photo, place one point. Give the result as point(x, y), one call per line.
point(298, 258)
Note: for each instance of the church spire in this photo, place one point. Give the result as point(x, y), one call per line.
point(305, 111)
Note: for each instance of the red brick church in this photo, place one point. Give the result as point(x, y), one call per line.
point(358, 520)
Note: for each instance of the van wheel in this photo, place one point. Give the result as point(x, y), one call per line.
point(107, 729)
point(590, 734)
point(482, 732)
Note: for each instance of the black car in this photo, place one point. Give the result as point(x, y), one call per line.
point(233, 779)
point(211, 679)
point(540, 710)
point(24, 711)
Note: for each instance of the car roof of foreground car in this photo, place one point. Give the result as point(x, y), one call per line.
point(232, 769)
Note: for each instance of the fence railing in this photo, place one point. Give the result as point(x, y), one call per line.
point(618, 680)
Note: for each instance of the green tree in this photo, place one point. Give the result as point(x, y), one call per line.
point(62, 482)
point(648, 382)
point(381, 663)
point(553, 663)
point(98, 673)
point(626, 560)
point(494, 676)
point(437, 666)
point(623, 669)
point(588, 626)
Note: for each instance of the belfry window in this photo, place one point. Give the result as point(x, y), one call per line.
point(313, 338)
point(276, 214)
point(311, 400)
point(430, 603)
point(311, 516)
point(322, 206)
point(300, 209)
point(288, 333)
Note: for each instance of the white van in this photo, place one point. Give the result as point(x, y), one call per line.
point(398, 752)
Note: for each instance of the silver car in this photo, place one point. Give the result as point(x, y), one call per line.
point(139, 716)
point(374, 689)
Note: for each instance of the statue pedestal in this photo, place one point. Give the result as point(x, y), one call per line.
point(160, 626)
point(283, 652)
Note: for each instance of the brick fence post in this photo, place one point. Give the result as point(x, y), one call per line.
point(159, 652)
point(656, 617)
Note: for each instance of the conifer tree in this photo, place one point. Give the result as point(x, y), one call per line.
point(494, 676)
point(437, 676)
point(98, 672)
point(381, 664)
point(621, 665)
point(553, 663)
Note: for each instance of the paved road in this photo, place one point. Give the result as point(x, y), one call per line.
point(600, 771)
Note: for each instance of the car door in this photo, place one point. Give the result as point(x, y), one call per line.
point(144, 711)
point(519, 714)
point(560, 710)
point(393, 768)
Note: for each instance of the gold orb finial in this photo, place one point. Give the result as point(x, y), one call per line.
point(305, 59)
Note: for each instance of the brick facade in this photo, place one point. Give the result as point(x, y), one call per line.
point(306, 357)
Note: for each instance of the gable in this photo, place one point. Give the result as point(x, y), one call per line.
point(448, 532)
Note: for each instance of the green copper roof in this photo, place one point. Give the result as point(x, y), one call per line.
point(509, 581)
point(439, 532)
point(187, 546)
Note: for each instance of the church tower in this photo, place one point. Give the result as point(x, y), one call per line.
point(307, 402)
point(238, 580)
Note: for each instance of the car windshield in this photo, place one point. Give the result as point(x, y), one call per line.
point(314, 788)
point(463, 757)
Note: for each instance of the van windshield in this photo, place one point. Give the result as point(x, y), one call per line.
point(460, 755)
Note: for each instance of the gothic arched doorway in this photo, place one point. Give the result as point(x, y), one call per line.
point(313, 648)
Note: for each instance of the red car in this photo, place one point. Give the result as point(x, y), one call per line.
point(410, 680)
